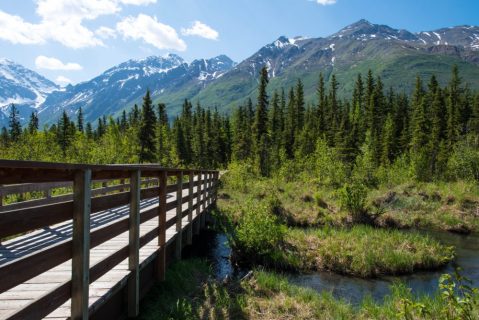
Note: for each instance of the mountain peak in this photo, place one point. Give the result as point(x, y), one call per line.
point(363, 29)
point(6, 61)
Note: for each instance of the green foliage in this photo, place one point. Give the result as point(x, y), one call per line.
point(328, 168)
point(464, 162)
point(258, 231)
point(461, 300)
point(353, 198)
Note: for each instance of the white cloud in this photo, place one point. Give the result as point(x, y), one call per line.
point(138, 2)
point(150, 30)
point(42, 62)
point(62, 21)
point(326, 2)
point(17, 31)
point(62, 80)
point(65, 10)
point(201, 30)
point(105, 32)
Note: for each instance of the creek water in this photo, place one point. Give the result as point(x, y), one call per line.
point(215, 248)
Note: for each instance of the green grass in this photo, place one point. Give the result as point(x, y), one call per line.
point(300, 225)
point(189, 293)
point(450, 206)
point(365, 251)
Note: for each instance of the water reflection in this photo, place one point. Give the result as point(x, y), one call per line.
point(215, 248)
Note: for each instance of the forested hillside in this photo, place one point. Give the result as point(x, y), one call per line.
point(432, 134)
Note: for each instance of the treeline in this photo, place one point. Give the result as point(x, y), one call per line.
point(429, 134)
point(197, 138)
point(435, 129)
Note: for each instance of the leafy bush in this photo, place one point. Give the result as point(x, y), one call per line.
point(353, 199)
point(464, 163)
point(258, 231)
point(239, 176)
point(329, 169)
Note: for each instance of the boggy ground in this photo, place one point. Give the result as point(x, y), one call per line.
point(302, 226)
point(189, 292)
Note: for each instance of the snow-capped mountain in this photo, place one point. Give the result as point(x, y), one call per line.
point(395, 55)
point(123, 85)
point(22, 87)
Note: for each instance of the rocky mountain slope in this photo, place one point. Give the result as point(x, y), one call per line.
point(395, 55)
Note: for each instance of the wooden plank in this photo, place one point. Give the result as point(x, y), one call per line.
point(11, 175)
point(109, 201)
point(134, 245)
point(81, 244)
point(179, 206)
point(161, 267)
point(44, 305)
point(20, 270)
point(23, 220)
point(109, 231)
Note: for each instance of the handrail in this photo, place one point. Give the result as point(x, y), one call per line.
point(79, 206)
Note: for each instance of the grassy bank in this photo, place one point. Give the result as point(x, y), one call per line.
point(287, 226)
point(304, 201)
point(366, 252)
point(189, 293)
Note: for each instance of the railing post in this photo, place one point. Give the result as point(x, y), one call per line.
point(198, 201)
point(161, 267)
point(81, 244)
point(179, 209)
point(217, 181)
point(203, 198)
point(134, 245)
point(208, 183)
point(189, 235)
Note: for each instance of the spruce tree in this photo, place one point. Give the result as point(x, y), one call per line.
point(80, 120)
point(321, 107)
point(388, 143)
point(299, 105)
point(418, 120)
point(453, 114)
point(15, 128)
point(290, 125)
point(163, 135)
point(89, 131)
point(260, 126)
point(147, 132)
point(33, 123)
point(64, 132)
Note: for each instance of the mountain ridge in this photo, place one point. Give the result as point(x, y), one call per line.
point(393, 54)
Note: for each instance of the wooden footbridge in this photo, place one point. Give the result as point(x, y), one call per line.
point(88, 241)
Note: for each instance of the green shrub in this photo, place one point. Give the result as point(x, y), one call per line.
point(353, 199)
point(239, 176)
point(464, 163)
point(258, 231)
point(329, 169)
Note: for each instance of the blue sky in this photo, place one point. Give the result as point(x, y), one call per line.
point(75, 40)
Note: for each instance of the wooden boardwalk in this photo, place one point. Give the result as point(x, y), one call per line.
point(113, 263)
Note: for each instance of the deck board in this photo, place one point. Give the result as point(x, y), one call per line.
point(18, 297)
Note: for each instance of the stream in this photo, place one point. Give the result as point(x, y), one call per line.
point(353, 289)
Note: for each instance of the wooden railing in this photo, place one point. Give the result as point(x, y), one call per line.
point(121, 185)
